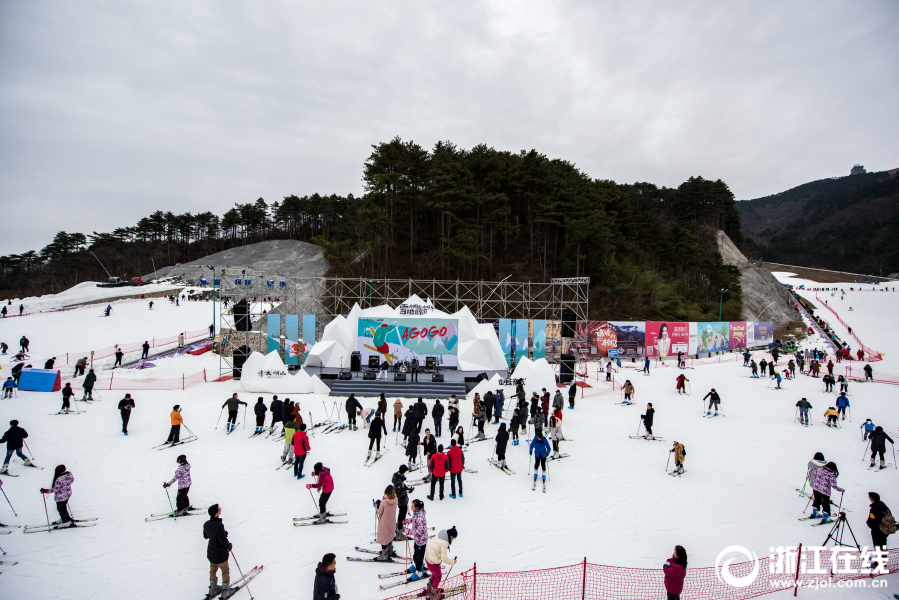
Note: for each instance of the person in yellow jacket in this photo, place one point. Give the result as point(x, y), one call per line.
point(832, 417)
point(177, 420)
point(436, 552)
point(290, 428)
point(680, 453)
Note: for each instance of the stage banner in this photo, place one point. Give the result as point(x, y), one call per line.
point(712, 336)
point(737, 334)
point(292, 343)
point(596, 338)
point(667, 339)
point(539, 336)
point(553, 339)
point(274, 334)
point(763, 332)
point(521, 338)
point(505, 339)
point(403, 339)
point(308, 335)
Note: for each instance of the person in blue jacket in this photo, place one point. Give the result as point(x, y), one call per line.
point(777, 377)
point(646, 366)
point(8, 387)
point(842, 403)
point(541, 445)
point(867, 429)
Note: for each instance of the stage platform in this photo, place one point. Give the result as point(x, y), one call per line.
point(453, 383)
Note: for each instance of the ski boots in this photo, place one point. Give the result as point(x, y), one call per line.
point(708, 412)
point(883, 465)
point(411, 569)
point(715, 415)
point(453, 496)
point(368, 456)
point(871, 466)
point(416, 575)
point(826, 519)
point(377, 455)
point(5, 468)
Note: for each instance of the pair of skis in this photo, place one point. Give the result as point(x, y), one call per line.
point(172, 515)
point(236, 586)
point(648, 439)
point(305, 521)
point(505, 470)
point(375, 560)
point(534, 487)
point(73, 524)
point(559, 457)
point(880, 468)
point(165, 445)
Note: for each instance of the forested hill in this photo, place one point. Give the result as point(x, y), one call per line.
point(447, 213)
point(843, 223)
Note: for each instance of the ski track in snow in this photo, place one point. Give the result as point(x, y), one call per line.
point(610, 501)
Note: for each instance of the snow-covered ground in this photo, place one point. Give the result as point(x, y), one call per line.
point(87, 292)
point(610, 501)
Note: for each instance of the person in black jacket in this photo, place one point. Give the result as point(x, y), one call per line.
point(14, 438)
point(217, 552)
point(89, 380)
point(67, 394)
point(402, 499)
point(453, 419)
point(502, 438)
point(259, 409)
point(412, 446)
point(233, 405)
point(325, 587)
point(572, 394)
point(118, 358)
point(275, 408)
point(49, 364)
point(714, 399)
point(879, 439)
point(437, 413)
point(352, 405)
point(488, 403)
point(876, 514)
point(409, 423)
point(374, 435)
point(429, 445)
point(125, 406)
point(647, 420)
point(421, 411)
point(146, 350)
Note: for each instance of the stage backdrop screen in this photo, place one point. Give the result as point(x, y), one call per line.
point(399, 339)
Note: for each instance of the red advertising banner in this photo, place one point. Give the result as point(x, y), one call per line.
point(737, 334)
point(667, 338)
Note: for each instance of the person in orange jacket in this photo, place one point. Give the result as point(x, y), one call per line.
point(177, 420)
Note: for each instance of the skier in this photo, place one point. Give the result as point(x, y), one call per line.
point(62, 491)
point(14, 438)
point(792, 369)
point(420, 411)
point(502, 439)
point(647, 420)
point(755, 370)
point(260, 411)
point(290, 428)
point(49, 364)
point(813, 465)
point(777, 377)
point(301, 448)
point(869, 372)
point(88, 385)
point(146, 350)
point(8, 386)
point(438, 466)
point(125, 406)
point(680, 453)
point(374, 435)
point(67, 394)
point(24, 343)
point(233, 404)
point(842, 403)
point(351, 406)
point(437, 414)
point(108, 310)
point(436, 552)
point(3, 347)
point(453, 418)
point(276, 409)
point(488, 404)
point(460, 435)
point(80, 365)
point(828, 382)
point(628, 392)
point(803, 405)
point(412, 446)
point(402, 497)
point(429, 445)
point(217, 553)
point(180, 340)
point(646, 366)
point(763, 366)
point(457, 464)
point(876, 523)
point(118, 357)
point(325, 587)
point(675, 569)
point(386, 511)
point(830, 368)
point(867, 428)
point(878, 445)
point(182, 475)
point(555, 432)
point(382, 405)
point(482, 419)
point(608, 371)
point(151, 305)
point(418, 526)
point(397, 414)
point(747, 356)
point(177, 420)
point(572, 394)
point(326, 484)
point(825, 479)
point(832, 416)
point(682, 384)
point(844, 384)
point(539, 444)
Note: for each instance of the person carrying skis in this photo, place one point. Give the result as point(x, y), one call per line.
point(436, 552)
point(680, 453)
point(502, 439)
point(825, 479)
point(182, 475)
point(351, 406)
point(233, 404)
point(878, 445)
point(832, 416)
point(125, 406)
point(275, 408)
point(326, 484)
point(62, 491)
point(301, 448)
point(67, 394)
point(325, 587)
point(217, 553)
point(437, 415)
point(386, 511)
point(541, 446)
point(628, 392)
point(803, 405)
point(14, 438)
point(682, 384)
point(647, 420)
point(397, 414)
point(259, 409)
point(438, 466)
point(867, 429)
point(374, 435)
point(842, 403)
point(402, 497)
point(417, 525)
point(555, 432)
point(457, 465)
point(177, 420)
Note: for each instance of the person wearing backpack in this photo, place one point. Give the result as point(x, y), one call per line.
point(880, 521)
point(680, 453)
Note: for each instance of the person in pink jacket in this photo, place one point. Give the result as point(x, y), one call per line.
point(326, 485)
point(62, 491)
point(386, 509)
point(825, 478)
point(675, 569)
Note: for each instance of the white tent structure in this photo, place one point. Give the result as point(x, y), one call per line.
point(268, 375)
point(478, 346)
point(486, 385)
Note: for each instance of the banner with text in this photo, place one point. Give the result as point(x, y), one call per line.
point(403, 339)
point(667, 339)
point(600, 339)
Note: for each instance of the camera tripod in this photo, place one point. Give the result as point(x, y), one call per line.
point(836, 533)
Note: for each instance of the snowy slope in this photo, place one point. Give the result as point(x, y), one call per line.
point(86, 292)
point(611, 501)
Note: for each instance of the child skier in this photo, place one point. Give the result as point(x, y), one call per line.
point(803, 405)
point(825, 479)
point(418, 526)
point(832, 416)
point(842, 403)
point(555, 432)
point(714, 399)
point(867, 428)
point(182, 475)
point(539, 444)
point(326, 485)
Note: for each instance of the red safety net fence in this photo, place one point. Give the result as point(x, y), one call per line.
point(124, 383)
point(790, 570)
point(873, 355)
point(877, 376)
point(70, 358)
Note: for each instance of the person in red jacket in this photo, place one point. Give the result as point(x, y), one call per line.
point(326, 485)
point(301, 448)
point(675, 569)
point(457, 464)
point(681, 384)
point(438, 466)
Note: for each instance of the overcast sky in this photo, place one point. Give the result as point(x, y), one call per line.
point(110, 110)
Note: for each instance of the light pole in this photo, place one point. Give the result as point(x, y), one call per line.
point(720, 302)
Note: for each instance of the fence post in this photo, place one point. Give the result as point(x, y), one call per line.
point(475, 596)
point(584, 582)
point(112, 375)
point(182, 381)
point(796, 581)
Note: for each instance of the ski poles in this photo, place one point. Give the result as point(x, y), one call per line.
point(894, 455)
point(439, 593)
point(220, 418)
point(44, 496)
point(246, 582)
point(868, 445)
point(244, 422)
point(667, 462)
point(166, 488)
point(311, 497)
point(8, 502)
point(29, 450)
point(189, 431)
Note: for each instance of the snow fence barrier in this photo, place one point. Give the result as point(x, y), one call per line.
point(791, 569)
point(873, 355)
point(70, 358)
point(124, 383)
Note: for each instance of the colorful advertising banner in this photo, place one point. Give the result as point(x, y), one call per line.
point(763, 333)
point(505, 339)
point(596, 338)
point(274, 334)
point(308, 335)
point(292, 343)
point(521, 338)
point(403, 339)
point(712, 336)
point(539, 336)
point(553, 339)
point(737, 334)
point(667, 339)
